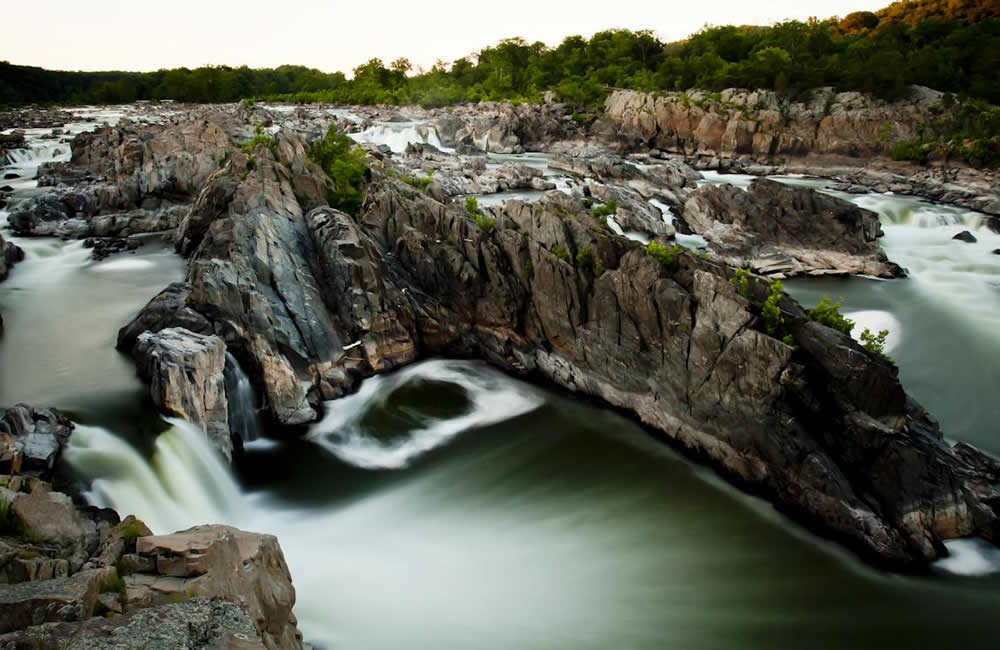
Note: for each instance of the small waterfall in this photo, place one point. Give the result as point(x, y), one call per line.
point(397, 135)
point(184, 484)
point(243, 419)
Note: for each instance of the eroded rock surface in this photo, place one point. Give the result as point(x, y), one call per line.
point(316, 301)
point(776, 229)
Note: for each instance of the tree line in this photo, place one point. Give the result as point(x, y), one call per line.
point(950, 45)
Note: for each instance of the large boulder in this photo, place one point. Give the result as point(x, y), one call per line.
point(777, 229)
point(186, 376)
point(220, 562)
point(9, 256)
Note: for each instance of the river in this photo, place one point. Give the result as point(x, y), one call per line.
point(449, 506)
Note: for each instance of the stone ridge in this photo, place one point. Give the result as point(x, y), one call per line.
point(316, 301)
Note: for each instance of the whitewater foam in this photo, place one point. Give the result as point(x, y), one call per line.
point(492, 396)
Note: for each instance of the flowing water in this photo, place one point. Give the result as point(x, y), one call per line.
point(449, 506)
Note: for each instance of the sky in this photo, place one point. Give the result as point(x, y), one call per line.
point(333, 35)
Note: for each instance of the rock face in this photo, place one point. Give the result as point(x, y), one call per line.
point(31, 440)
point(503, 128)
point(221, 562)
point(9, 256)
point(186, 374)
point(773, 228)
point(314, 302)
point(761, 124)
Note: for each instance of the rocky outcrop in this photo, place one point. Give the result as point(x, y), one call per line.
point(842, 136)
point(167, 309)
point(219, 562)
point(822, 427)
point(503, 128)
point(776, 229)
point(186, 376)
point(761, 124)
point(31, 440)
point(9, 256)
point(446, 175)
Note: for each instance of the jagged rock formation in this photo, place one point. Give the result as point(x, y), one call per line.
point(775, 229)
point(316, 301)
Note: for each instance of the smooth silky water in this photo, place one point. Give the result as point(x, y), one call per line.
point(449, 506)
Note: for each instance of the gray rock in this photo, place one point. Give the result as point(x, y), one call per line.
point(781, 230)
point(198, 623)
point(966, 236)
point(185, 372)
point(31, 440)
point(167, 309)
point(72, 598)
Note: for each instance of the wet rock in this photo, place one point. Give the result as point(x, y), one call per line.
point(102, 247)
point(966, 236)
point(31, 440)
point(168, 309)
point(776, 229)
point(185, 372)
point(9, 256)
point(10, 176)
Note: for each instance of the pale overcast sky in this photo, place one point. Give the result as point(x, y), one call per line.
point(336, 35)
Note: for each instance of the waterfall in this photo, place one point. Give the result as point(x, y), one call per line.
point(183, 484)
point(243, 419)
point(397, 135)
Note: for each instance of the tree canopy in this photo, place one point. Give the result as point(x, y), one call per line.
point(949, 45)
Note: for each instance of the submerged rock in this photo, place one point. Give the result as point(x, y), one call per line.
point(966, 236)
point(9, 256)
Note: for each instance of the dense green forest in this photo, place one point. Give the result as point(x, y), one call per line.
point(950, 45)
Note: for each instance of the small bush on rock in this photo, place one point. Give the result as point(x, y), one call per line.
point(827, 313)
point(346, 165)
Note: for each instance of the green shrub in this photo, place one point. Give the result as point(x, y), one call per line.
point(606, 210)
point(528, 270)
point(560, 251)
point(789, 340)
point(829, 314)
point(912, 151)
point(741, 280)
point(261, 138)
point(874, 343)
point(471, 206)
point(346, 165)
point(668, 257)
point(586, 258)
point(420, 183)
point(770, 312)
